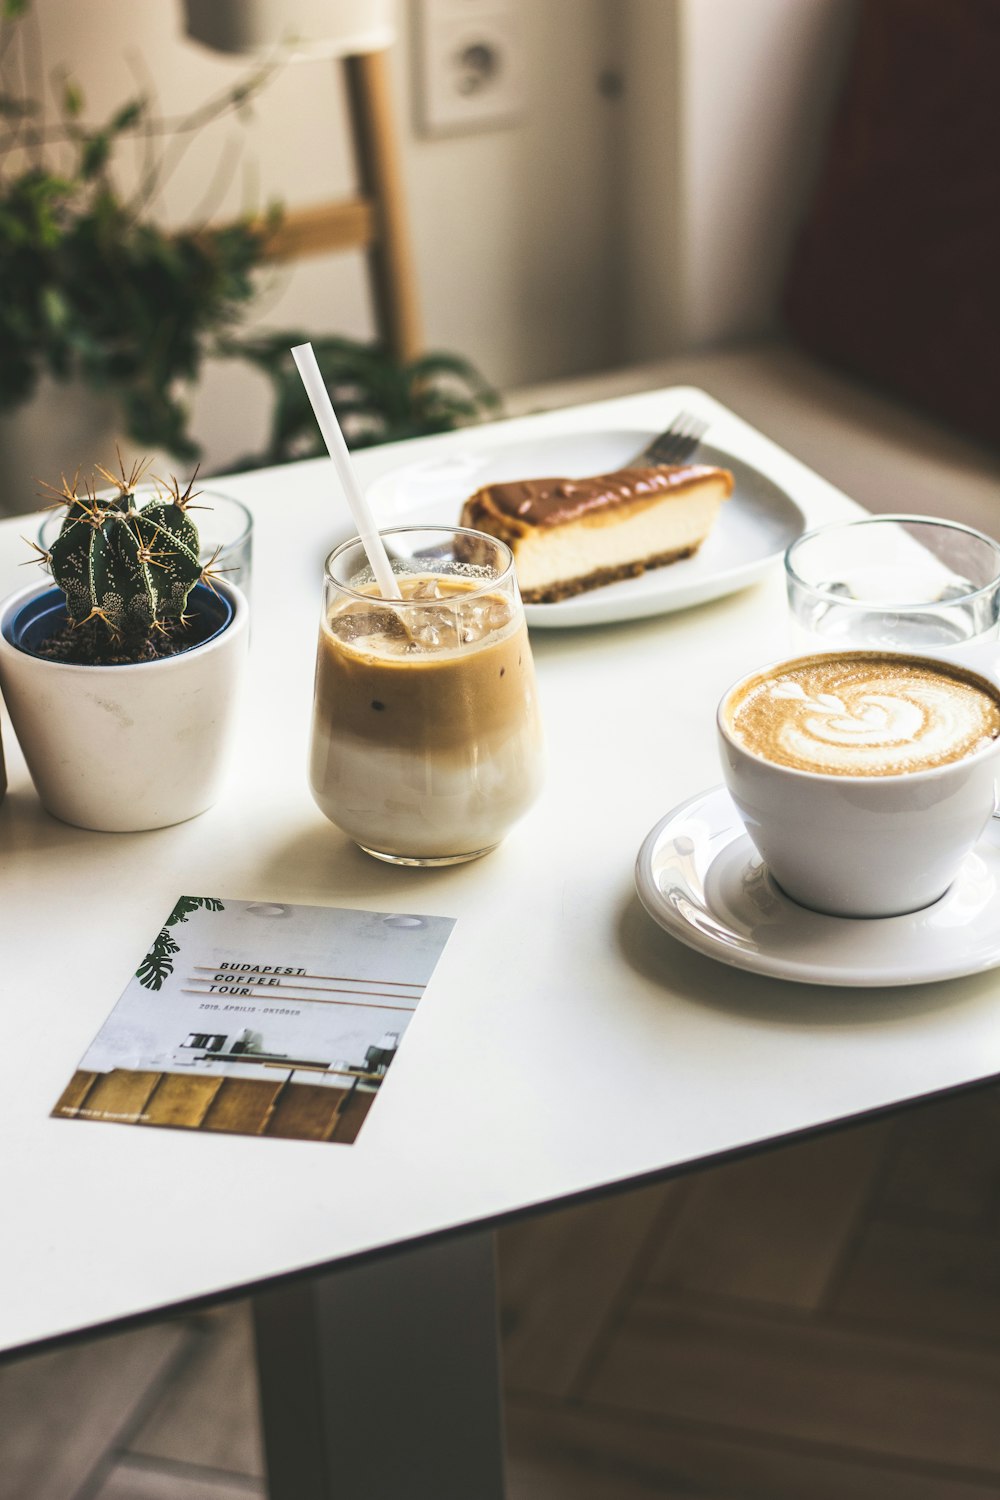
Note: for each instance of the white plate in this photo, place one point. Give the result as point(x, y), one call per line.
point(700, 878)
point(754, 526)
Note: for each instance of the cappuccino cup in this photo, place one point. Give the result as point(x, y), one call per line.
point(864, 778)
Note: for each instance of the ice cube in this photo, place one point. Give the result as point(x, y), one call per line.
point(362, 624)
point(432, 629)
point(426, 588)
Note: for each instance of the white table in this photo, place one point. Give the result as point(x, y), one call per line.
point(564, 1045)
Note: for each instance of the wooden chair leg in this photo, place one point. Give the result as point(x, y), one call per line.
point(390, 256)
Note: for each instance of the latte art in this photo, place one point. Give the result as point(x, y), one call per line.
point(864, 714)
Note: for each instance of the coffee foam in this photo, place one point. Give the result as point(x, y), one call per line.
point(864, 714)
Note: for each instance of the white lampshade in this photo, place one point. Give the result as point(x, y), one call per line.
point(299, 28)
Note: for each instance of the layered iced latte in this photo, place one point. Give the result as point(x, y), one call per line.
point(427, 742)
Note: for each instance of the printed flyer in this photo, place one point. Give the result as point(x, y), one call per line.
point(259, 1019)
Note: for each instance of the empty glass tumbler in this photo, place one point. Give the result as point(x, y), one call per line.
point(894, 582)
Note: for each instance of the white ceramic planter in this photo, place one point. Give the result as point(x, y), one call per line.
point(64, 428)
point(124, 748)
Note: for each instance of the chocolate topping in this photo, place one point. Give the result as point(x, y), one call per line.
point(550, 502)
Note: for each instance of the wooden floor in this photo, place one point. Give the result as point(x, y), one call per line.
point(817, 1323)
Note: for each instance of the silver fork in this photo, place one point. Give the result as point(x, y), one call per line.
point(678, 443)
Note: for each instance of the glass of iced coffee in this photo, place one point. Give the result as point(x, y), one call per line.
point(427, 742)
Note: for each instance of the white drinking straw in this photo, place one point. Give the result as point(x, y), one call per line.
point(319, 398)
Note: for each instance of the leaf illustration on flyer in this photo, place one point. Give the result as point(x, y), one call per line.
point(158, 962)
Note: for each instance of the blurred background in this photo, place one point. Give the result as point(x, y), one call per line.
point(523, 204)
point(581, 185)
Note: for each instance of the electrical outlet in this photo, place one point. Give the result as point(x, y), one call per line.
point(469, 65)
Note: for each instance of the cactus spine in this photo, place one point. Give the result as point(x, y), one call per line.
point(128, 569)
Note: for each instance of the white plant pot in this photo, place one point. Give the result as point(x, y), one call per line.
point(65, 428)
point(62, 428)
point(125, 748)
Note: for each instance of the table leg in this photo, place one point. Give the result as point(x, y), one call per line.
point(382, 1380)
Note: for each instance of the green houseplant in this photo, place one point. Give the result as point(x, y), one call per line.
point(122, 681)
point(91, 287)
point(378, 399)
point(93, 290)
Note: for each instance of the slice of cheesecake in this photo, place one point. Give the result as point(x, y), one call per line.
point(568, 535)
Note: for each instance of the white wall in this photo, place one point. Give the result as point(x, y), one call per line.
point(650, 208)
point(727, 104)
point(514, 240)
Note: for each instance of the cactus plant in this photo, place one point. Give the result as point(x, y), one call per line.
point(126, 569)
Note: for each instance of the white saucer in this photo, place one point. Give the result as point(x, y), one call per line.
point(700, 878)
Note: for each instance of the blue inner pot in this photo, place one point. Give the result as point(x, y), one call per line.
point(45, 615)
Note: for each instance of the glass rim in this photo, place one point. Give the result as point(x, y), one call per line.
point(897, 518)
point(241, 505)
point(484, 588)
point(53, 511)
